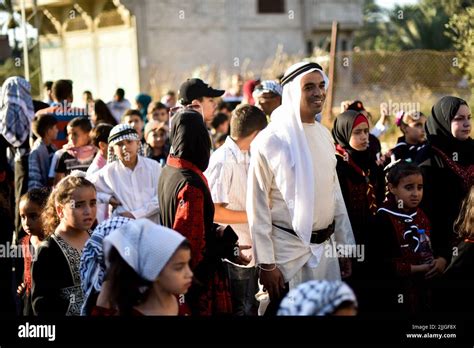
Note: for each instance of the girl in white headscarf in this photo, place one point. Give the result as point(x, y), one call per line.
point(147, 270)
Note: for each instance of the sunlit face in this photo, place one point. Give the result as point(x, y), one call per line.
point(30, 215)
point(80, 212)
point(360, 137)
point(156, 138)
point(170, 100)
point(409, 191)
point(160, 115)
point(176, 277)
point(52, 133)
point(127, 150)
point(208, 107)
point(313, 94)
point(77, 137)
point(461, 123)
point(136, 122)
point(268, 102)
point(414, 130)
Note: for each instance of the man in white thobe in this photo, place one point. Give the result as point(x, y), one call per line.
point(295, 208)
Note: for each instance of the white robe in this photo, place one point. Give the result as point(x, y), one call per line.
point(297, 261)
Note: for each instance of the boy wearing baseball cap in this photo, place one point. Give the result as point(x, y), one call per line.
point(196, 91)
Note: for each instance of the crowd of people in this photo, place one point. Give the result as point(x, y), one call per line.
point(238, 202)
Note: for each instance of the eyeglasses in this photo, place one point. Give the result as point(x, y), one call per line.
point(176, 109)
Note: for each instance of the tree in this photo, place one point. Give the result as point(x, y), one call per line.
point(461, 30)
point(418, 26)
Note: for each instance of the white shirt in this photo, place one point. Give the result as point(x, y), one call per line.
point(102, 208)
point(379, 129)
point(136, 190)
point(227, 178)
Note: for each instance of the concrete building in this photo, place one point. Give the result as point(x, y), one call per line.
point(148, 45)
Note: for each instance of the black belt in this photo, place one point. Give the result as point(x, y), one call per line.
point(317, 237)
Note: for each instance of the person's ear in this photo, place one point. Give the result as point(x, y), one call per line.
point(59, 211)
point(103, 145)
point(391, 188)
point(403, 128)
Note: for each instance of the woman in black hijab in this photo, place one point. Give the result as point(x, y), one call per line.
point(448, 168)
point(186, 206)
point(361, 180)
point(362, 186)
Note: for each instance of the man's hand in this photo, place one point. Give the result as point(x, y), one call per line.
point(438, 267)
point(345, 265)
point(272, 281)
point(242, 259)
point(421, 268)
point(114, 202)
point(21, 289)
point(127, 214)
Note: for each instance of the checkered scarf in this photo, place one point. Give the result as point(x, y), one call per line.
point(16, 110)
point(92, 266)
point(316, 297)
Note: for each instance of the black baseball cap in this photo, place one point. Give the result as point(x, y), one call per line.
point(195, 89)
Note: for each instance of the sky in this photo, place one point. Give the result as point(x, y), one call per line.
point(392, 3)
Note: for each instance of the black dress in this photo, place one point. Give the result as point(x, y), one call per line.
point(363, 188)
point(186, 206)
point(458, 279)
point(56, 288)
point(404, 151)
point(448, 170)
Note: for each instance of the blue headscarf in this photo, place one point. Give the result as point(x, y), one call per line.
point(144, 100)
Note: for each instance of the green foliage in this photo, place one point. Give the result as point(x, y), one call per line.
point(14, 67)
point(461, 30)
point(419, 26)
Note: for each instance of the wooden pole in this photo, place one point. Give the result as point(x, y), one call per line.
point(26, 62)
point(332, 63)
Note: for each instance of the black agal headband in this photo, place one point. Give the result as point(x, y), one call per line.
point(299, 71)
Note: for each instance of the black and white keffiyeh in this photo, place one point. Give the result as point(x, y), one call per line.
point(16, 110)
point(92, 266)
point(316, 297)
point(119, 133)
